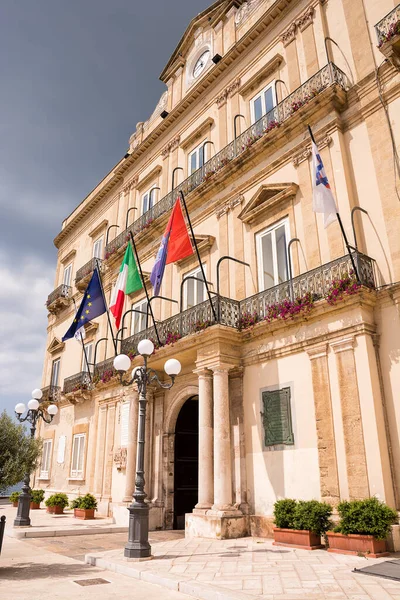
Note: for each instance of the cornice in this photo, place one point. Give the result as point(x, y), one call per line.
point(149, 177)
point(255, 80)
point(190, 139)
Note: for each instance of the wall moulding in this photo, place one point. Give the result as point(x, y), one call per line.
point(258, 78)
point(306, 19)
point(307, 152)
point(171, 146)
point(289, 35)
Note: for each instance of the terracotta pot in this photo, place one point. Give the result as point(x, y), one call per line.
point(34, 506)
point(55, 510)
point(356, 544)
point(15, 504)
point(297, 538)
point(84, 513)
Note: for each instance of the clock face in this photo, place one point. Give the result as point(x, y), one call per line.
point(201, 63)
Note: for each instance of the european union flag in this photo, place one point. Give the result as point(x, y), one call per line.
point(92, 306)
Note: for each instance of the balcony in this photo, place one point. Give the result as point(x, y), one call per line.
point(84, 273)
point(104, 371)
point(78, 385)
point(233, 313)
point(328, 76)
point(388, 34)
point(59, 298)
point(51, 394)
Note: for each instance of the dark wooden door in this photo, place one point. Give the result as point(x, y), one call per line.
point(186, 461)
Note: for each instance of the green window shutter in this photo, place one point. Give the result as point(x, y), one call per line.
point(277, 417)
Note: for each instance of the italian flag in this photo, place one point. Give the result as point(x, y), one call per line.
point(128, 282)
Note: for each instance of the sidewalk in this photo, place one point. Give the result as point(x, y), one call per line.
point(27, 574)
point(45, 525)
point(251, 568)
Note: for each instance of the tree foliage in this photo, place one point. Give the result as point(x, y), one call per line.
point(18, 452)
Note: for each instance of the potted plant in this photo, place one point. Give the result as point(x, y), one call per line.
point(84, 507)
point(56, 503)
point(301, 524)
point(14, 496)
point(363, 528)
point(37, 496)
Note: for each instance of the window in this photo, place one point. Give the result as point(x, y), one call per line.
point(197, 158)
point(67, 275)
point(89, 357)
point(46, 459)
point(138, 322)
point(195, 291)
point(261, 104)
point(98, 248)
point(55, 372)
point(277, 417)
point(78, 448)
point(148, 199)
point(272, 255)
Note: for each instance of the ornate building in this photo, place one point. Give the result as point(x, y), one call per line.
point(289, 379)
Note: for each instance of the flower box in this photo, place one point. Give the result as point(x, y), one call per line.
point(55, 510)
point(84, 513)
point(297, 538)
point(356, 544)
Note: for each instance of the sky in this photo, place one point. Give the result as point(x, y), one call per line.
point(76, 77)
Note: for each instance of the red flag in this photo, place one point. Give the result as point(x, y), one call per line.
point(179, 244)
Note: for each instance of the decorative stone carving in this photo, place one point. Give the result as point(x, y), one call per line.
point(289, 35)
point(228, 92)
point(120, 458)
point(230, 205)
point(171, 146)
point(305, 154)
point(221, 98)
point(131, 184)
point(306, 18)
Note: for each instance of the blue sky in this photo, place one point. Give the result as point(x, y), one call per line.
point(76, 77)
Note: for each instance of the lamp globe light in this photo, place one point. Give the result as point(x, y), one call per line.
point(33, 404)
point(172, 367)
point(52, 409)
point(20, 408)
point(122, 362)
point(145, 347)
point(37, 394)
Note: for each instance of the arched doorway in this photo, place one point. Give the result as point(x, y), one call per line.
point(186, 461)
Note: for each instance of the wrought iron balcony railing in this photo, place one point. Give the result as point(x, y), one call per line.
point(233, 313)
point(88, 269)
point(61, 292)
point(51, 393)
point(77, 382)
point(328, 76)
point(389, 26)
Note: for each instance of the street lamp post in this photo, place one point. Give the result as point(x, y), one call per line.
point(32, 416)
point(138, 538)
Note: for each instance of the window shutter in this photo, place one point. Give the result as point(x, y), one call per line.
point(277, 418)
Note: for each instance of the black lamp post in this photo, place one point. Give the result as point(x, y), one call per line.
point(32, 416)
point(138, 538)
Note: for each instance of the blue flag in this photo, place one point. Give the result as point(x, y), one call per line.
point(92, 306)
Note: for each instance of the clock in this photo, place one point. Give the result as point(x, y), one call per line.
point(201, 63)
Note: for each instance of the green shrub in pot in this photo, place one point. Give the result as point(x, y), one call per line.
point(14, 496)
point(37, 496)
point(313, 516)
point(365, 517)
point(59, 499)
point(284, 511)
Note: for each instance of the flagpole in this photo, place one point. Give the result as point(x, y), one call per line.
point(149, 307)
point(198, 256)
point(105, 304)
point(341, 226)
point(83, 346)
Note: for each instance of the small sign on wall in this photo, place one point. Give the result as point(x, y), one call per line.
point(61, 449)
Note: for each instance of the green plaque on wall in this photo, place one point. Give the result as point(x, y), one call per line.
point(277, 418)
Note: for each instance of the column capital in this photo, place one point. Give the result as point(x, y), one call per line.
point(203, 372)
point(317, 351)
point(343, 345)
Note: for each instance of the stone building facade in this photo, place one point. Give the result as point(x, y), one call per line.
point(266, 406)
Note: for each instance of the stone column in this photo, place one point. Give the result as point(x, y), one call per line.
point(310, 51)
point(356, 462)
point(109, 451)
point(101, 440)
point(157, 499)
point(206, 465)
point(238, 439)
point(328, 471)
point(222, 441)
point(131, 448)
point(292, 60)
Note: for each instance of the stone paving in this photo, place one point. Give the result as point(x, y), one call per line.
point(250, 567)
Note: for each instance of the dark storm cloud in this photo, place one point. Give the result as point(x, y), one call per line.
point(76, 77)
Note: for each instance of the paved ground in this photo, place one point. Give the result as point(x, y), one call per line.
point(31, 572)
point(249, 567)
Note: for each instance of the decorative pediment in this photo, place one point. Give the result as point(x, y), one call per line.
point(98, 229)
point(260, 77)
point(204, 243)
point(91, 328)
point(55, 346)
point(197, 134)
point(268, 196)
